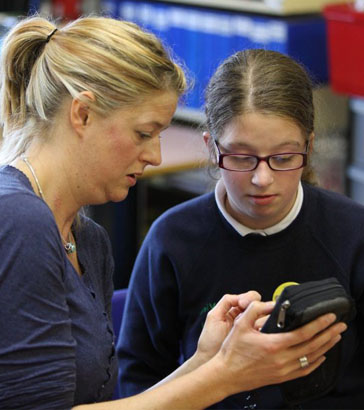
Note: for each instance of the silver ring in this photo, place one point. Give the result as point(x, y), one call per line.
point(303, 361)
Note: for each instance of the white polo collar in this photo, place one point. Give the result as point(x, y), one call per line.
point(220, 196)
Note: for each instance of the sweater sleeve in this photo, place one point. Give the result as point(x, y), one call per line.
point(37, 358)
point(148, 345)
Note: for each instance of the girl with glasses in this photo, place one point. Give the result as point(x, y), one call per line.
point(266, 224)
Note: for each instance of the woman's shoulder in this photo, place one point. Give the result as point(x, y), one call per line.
point(19, 206)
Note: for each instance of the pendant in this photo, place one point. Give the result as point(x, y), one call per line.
point(69, 247)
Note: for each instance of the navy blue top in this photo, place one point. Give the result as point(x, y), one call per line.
point(57, 343)
point(191, 257)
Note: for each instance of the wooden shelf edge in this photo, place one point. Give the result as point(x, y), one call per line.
point(275, 7)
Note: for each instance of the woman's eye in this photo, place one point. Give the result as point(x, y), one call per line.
point(144, 135)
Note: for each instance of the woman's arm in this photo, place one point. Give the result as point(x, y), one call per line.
point(246, 360)
point(37, 348)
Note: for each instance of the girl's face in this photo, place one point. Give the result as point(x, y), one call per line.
point(263, 197)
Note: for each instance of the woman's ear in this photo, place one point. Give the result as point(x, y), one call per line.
point(80, 111)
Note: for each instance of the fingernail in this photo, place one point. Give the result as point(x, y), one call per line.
point(336, 339)
point(271, 304)
point(331, 317)
point(342, 327)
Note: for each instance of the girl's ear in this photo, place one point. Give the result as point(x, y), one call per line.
point(206, 138)
point(210, 146)
point(311, 142)
point(80, 114)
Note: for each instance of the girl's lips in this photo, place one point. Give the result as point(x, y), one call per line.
point(262, 199)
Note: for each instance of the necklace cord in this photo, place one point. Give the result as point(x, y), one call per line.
point(69, 246)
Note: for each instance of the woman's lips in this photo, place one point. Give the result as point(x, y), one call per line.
point(132, 179)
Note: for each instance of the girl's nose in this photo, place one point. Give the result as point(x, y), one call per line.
point(262, 175)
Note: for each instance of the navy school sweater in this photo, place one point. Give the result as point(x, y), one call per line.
point(191, 257)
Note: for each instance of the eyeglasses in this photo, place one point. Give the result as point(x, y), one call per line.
point(285, 161)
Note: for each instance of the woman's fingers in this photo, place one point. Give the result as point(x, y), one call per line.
point(313, 350)
point(321, 342)
point(308, 331)
point(229, 306)
point(260, 322)
point(255, 311)
point(233, 313)
point(313, 359)
point(298, 371)
point(317, 354)
point(245, 299)
point(228, 303)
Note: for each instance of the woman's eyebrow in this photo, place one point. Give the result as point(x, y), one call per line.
point(156, 124)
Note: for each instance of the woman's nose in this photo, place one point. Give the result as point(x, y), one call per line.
point(262, 175)
point(152, 153)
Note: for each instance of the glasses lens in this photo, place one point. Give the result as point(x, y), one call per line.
point(286, 161)
point(239, 162)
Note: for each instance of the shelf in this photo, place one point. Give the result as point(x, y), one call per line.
point(190, 115)
point(182, 149)
point(275, 7)
point(201, 38)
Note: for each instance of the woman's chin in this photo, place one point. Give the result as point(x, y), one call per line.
point(118, 196)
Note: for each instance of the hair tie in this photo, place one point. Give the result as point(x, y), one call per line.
point(51, 34)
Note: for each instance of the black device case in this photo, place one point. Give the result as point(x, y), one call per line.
point(298, 305)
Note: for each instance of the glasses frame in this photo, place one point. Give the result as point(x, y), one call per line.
point(220, 158)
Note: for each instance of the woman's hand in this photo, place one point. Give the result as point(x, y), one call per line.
point(219, 322)
point(251, 359)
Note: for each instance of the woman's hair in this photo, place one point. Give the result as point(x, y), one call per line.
point(262, 81)
point(116, 60)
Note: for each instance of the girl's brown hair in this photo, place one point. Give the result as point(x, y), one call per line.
point(268, 82)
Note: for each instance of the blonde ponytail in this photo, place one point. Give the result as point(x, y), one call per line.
point(115, 60)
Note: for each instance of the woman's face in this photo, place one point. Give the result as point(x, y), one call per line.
point(120, 146)
point(263, 197)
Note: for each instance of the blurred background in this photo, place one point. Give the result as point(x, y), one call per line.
point(326, 36)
